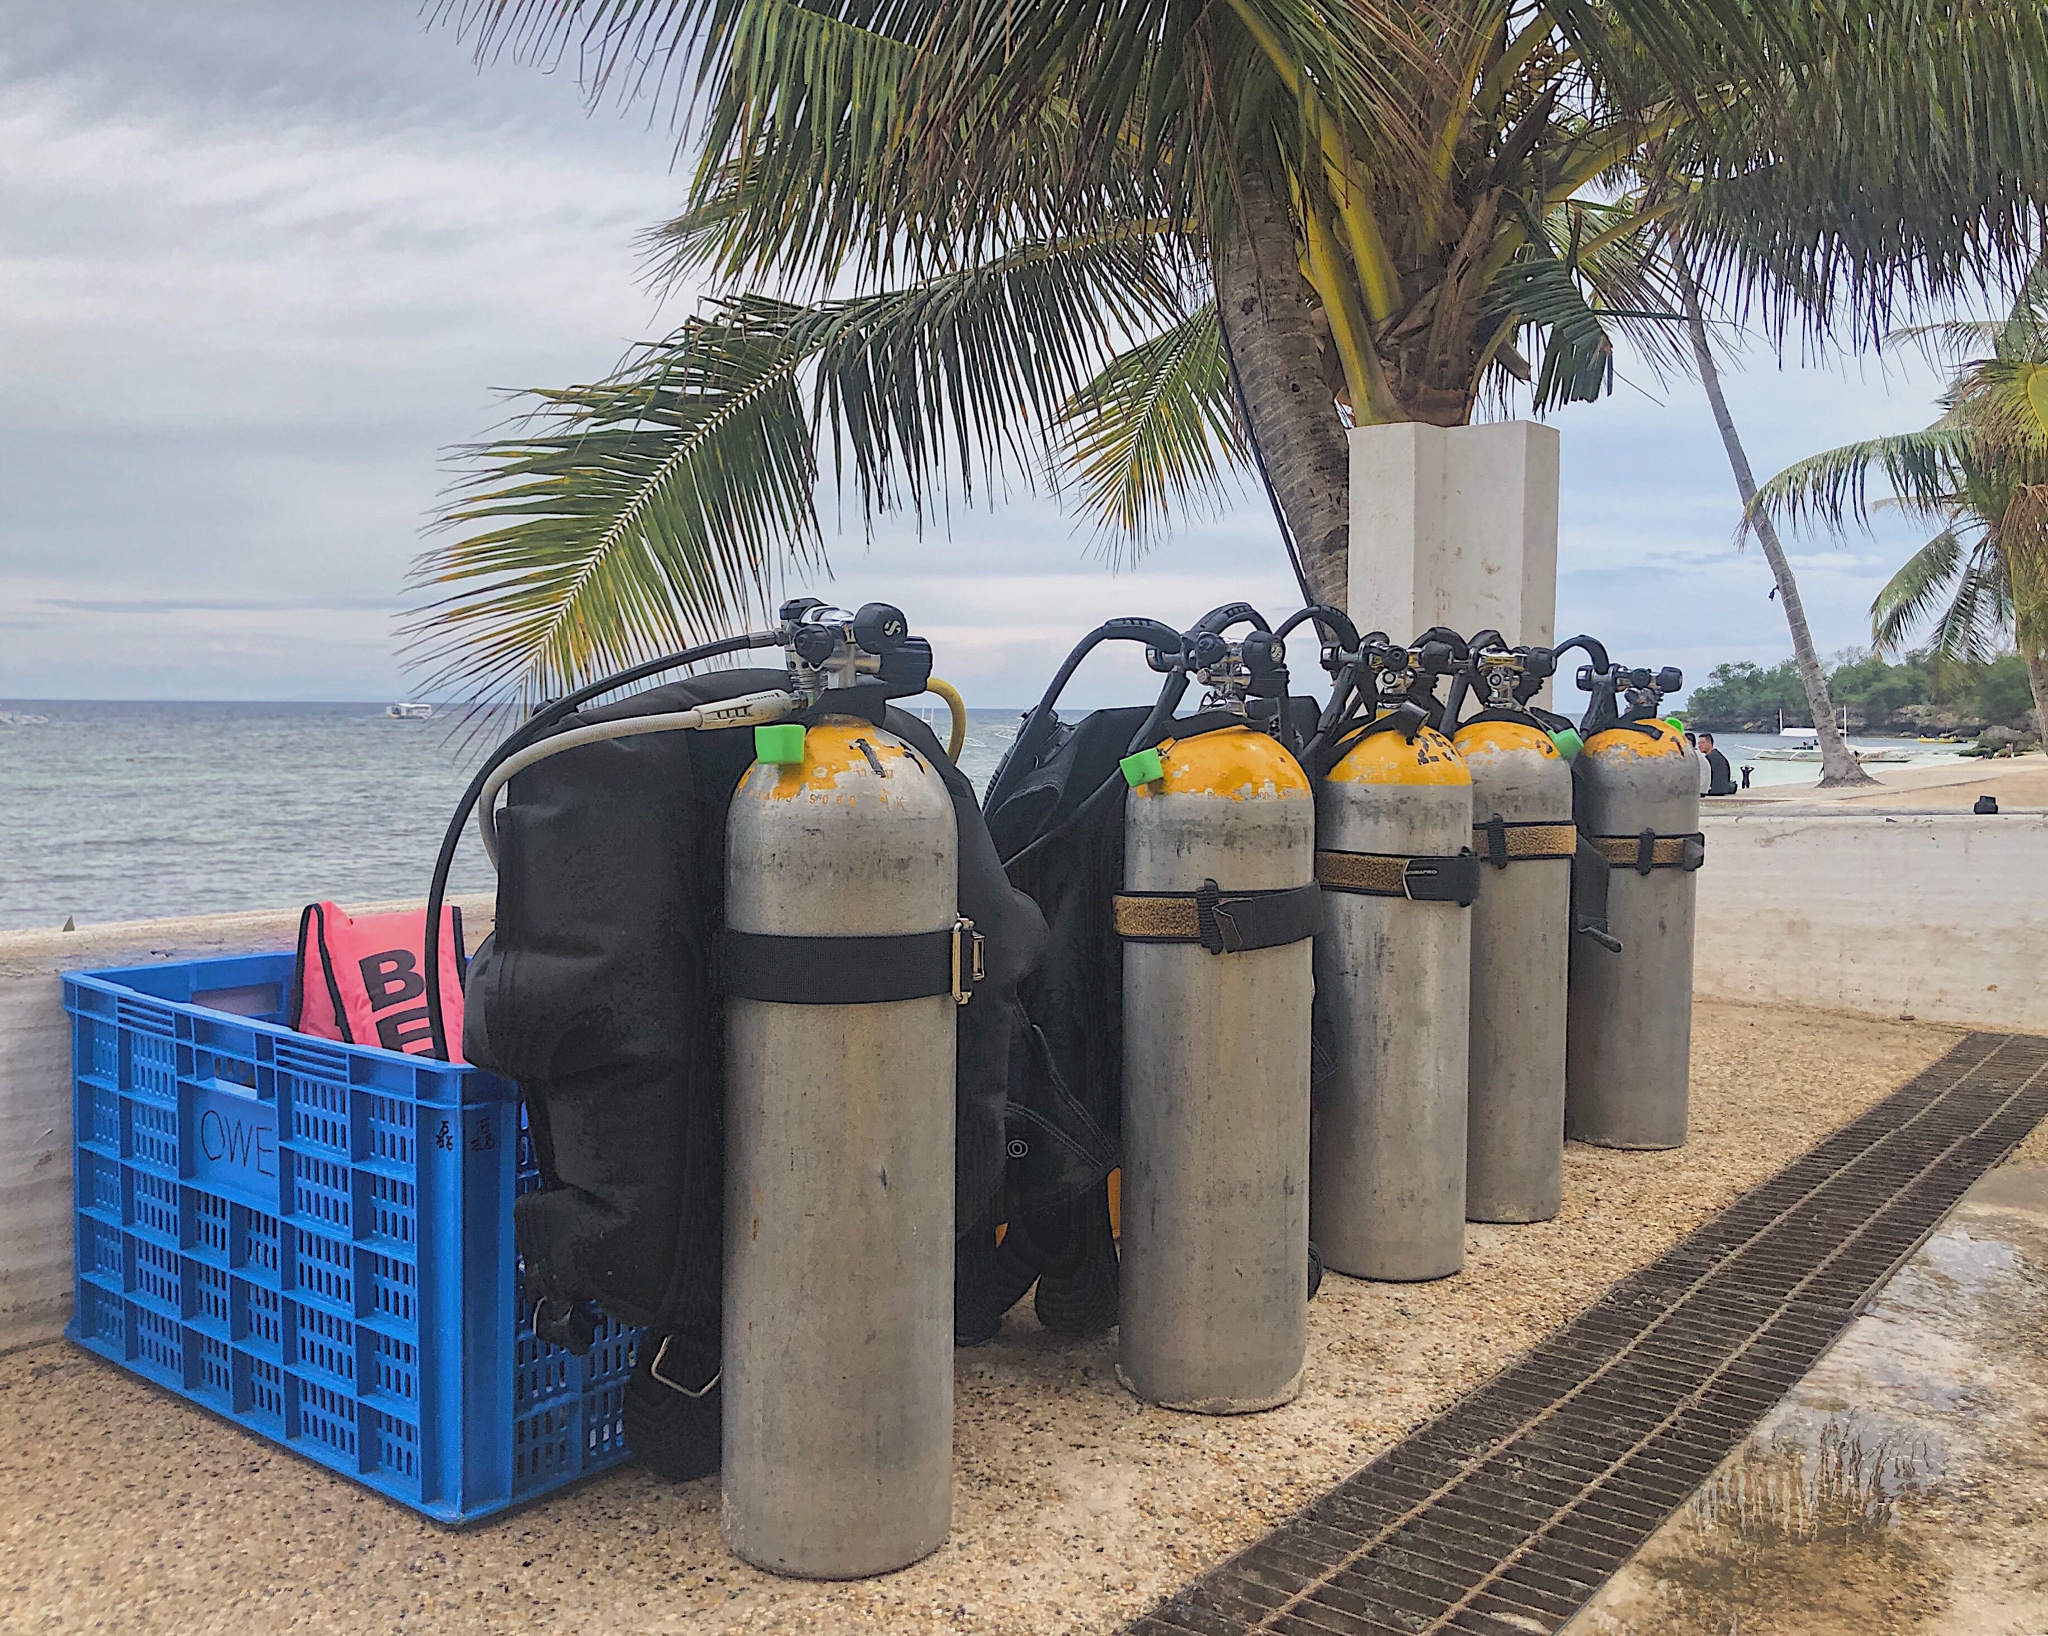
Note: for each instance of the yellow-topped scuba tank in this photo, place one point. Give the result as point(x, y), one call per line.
point(845, 960)
point(1218, 907)
point(1638, 809)
point(1393, 964)
point(1522, 831)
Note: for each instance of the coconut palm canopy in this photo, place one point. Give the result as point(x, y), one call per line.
point(1133, 251)
point(1978, 476)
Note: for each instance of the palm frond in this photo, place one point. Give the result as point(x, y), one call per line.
point(625, 518)
point(1978, 615)
point(833, 146)
point(1156, 434)
point(2022, 539)
point(655, 507)
point(1896, 165)
point(2004, 402)
point(1832, 488)
point(963, 375)
point(1905, 600)
point(1577, 355)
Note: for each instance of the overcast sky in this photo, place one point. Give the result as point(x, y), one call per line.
point(263, 261)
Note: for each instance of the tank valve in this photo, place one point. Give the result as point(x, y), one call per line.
point(828, 649)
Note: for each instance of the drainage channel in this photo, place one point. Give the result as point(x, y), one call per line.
point(1503, 1516)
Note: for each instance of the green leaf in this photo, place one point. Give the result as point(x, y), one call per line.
point(623, 519)
point(1538, 292)
point(1156, 433)
point(655, 508)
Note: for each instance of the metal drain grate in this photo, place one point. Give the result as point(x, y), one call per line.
point(1503, 1516)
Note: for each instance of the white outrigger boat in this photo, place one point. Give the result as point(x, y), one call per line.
point(409, 712)
point(1806, 745)
point(1810, 751)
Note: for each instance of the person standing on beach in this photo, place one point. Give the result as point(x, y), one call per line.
point(1715, 778)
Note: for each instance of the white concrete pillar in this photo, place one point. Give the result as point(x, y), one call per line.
point(1457, 526)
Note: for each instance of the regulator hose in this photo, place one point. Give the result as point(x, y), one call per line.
point(957, 707)
point(518, 740)
point(1039, 721)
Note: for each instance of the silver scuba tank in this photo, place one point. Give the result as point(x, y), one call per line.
point(1393, 973)
point(1630, 1016)
point(1217, 915)
point(1522, 830)
point(843, 961)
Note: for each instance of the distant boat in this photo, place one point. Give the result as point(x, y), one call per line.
point(21, 718)
point(1810, 752)
point(1808, 732)
point(409, 712)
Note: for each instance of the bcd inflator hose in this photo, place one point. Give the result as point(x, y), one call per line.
point(749, 710)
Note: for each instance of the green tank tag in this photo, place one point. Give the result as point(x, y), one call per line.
point(779, 743)
point(1568, 742)
point(1143, 768)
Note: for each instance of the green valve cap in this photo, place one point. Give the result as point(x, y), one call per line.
point(1143, 768)
point(1676, 721)
point(1568, 742)
point(779, 743)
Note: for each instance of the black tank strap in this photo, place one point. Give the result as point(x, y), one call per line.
point(793, 970)
point(1222, 922)
point(1453, 878)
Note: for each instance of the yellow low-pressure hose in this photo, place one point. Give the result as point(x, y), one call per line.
point(958, 706)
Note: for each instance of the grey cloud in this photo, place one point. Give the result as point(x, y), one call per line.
point(148, 605)
point(267, 260)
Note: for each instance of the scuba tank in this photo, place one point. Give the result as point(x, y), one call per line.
point(1522, 831)
point(1217, 912)
point(1109, 1020)
point(1054, 809)
point(845, 960)
point(665, 967)
point(1637, 801)
point(1393, 963)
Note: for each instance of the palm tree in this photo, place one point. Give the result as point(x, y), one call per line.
point(954, 244)
point(1978, 475)
point(1839, 767)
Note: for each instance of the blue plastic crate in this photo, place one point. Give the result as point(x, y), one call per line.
point(315, 1240)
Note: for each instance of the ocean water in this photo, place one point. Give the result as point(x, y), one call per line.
point(129, 811)
point(1744, 749)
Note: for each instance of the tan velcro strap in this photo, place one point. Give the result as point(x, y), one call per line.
point(1377, 874)
point(1165, 919)
point(1650, 850)
point(1501, 843)
point(1221, 922)
point(1396, 875)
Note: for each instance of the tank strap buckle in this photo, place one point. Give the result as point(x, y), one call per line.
point(970, 959)
point(1207, 896)
point(1453, 878)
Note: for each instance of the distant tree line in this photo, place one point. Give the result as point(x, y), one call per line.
point(1922, 692)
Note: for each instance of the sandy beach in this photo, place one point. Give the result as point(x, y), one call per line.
point(1075, 1506)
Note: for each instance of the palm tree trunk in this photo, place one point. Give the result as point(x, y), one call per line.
point(1838, 765)
point(2037, 679)
point(1287, 406)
